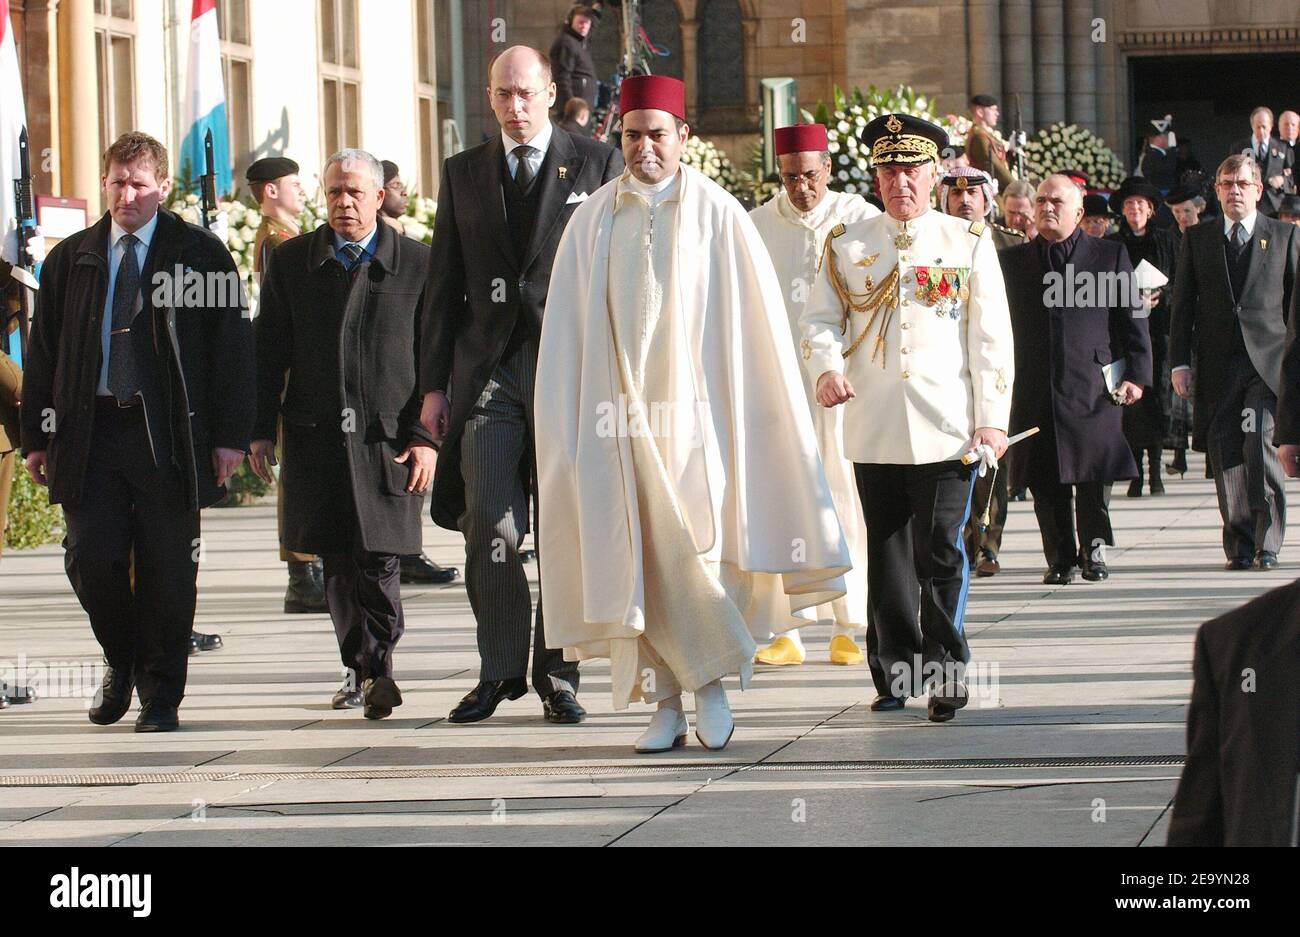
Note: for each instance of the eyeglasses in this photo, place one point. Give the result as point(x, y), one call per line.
point(1230, 184)
point(807, 178)
point(507, 95)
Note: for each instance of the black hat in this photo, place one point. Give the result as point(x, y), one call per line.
point(1095, 206)
point(1156, 126)
point(1135, 185)
point(983, 100)
point(270, 168)
point(1290, 205)
point(1184, 193)
point(391, 171)
point(903, 139)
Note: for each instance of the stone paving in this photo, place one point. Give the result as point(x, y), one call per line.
point(1082, 747)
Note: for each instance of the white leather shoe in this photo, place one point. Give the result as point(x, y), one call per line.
point(713, 721)
point(667, 729)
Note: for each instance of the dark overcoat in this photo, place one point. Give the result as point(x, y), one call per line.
point(1062, 341)
point(350, 347)
point(197, 376)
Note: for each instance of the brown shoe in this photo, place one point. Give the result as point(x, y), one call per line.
point(988, 566)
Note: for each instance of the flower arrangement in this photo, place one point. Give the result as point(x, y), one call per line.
point(847, 115)
point(418, 220)
point(702, 155)
point(238, 233)
point(1069, 146)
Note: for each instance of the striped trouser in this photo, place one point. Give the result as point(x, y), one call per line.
point(495, 455)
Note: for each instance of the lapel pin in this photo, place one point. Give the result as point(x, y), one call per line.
point(564, 172)
point(1263, 244)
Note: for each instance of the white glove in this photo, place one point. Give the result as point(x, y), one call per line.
point(36, 246)
point(221, 227)
point(987, 459)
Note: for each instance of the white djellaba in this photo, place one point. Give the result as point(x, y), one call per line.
point(676, 456)
point(794, 239)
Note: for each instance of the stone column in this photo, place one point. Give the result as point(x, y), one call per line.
point(79, 104)
point(1049, 62)
point(1017, 63)
point(36, 35)
point(690, 74)
point(748, 69)
point(1112, 107)
point(984, 39)
point(1080, 65)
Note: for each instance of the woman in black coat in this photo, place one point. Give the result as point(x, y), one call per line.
point(1146, 423)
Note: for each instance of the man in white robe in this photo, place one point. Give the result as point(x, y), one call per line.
point(794, 225)
point(675, 453)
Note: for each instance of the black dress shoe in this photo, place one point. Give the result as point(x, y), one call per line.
point(1135, 487)
point(1058, 576)
point(419, 568)
point(4, 703)
point(888, 704)
point(347, 698)
point(157, 717)
point(527, 556)
point(114, 696)
point(19, 694)
point(305, 594)
point(381, 695)
point(943, 708)
point(1239, 563)
point(204, 642)
point(1265, 560)
point(482, 701)
point(562, 708)
point(1095, 572)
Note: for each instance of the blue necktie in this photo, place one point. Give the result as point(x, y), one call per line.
point(123, 382)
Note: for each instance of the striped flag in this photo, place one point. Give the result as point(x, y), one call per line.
point(12, 120)
point(205, 99)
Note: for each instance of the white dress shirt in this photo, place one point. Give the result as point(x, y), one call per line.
point(540, 143)
point(1248, 223)
point(116, 250)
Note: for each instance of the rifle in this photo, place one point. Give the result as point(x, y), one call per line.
point(24, 270)
point(208, 184)
point(1019, 139)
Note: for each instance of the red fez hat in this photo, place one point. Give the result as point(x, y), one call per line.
point(800, 138)
point(652, 93)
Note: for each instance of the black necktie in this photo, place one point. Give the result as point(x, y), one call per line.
point(123, 382)
point(1056, 251)
point(1237, 239)
point(524, 169)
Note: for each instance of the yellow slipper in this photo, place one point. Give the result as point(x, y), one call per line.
point(780, 653)
point(844, 651)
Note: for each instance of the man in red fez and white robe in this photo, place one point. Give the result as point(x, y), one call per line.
point(795, 225)
point(675, 454)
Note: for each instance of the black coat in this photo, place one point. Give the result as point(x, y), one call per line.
point(1239, 783)
point(1060, 351)
point(351, 403)
point(1146, 423)
point(198, 362)
point(1287, 428)
point(1204, 313)
point(573, 70)
point(479, 289)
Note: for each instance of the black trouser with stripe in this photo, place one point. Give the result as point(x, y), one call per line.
point(1248, 475)
point(131, 507)
point(917, 573)
point(494, 449)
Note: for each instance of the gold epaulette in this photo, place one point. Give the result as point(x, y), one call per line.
point(837, 230)
point(977, 228)
point(1011, 231)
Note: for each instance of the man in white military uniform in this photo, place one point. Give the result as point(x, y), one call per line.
point(908, 325)
point(794, 226)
